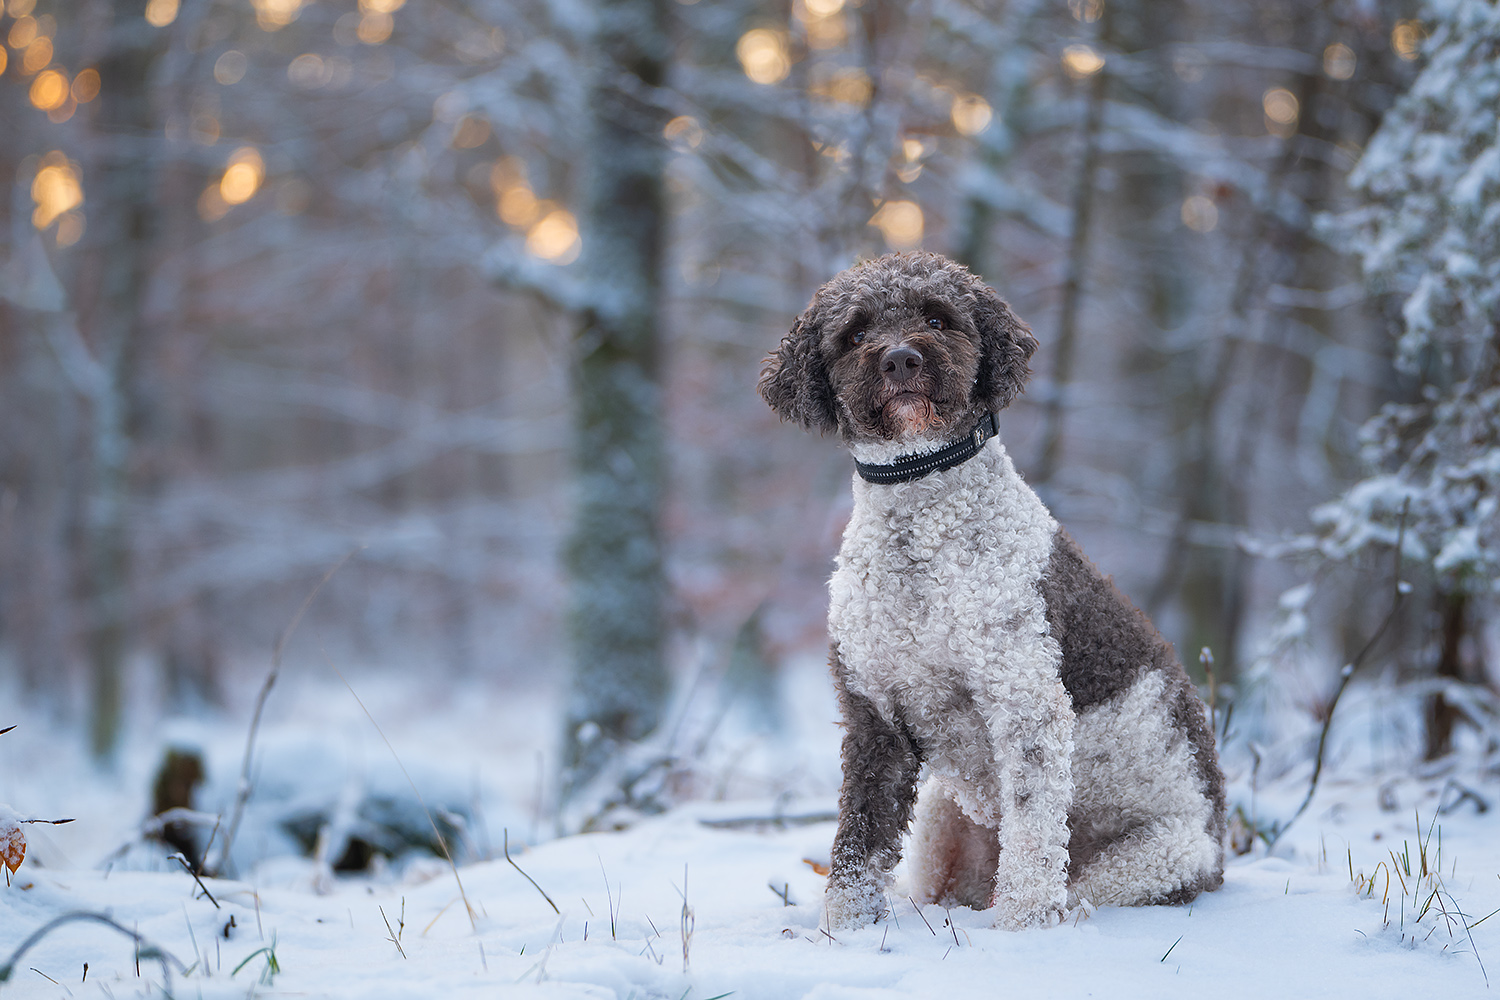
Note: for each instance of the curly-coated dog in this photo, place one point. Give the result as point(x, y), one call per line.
point(1066, 753)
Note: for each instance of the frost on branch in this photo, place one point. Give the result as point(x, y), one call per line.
point(1430, 234)
point(1429, 238)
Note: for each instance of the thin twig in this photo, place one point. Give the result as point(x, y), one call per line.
point(394, 936)
point(178, 857)
point(242, 794)
point(1398, 596)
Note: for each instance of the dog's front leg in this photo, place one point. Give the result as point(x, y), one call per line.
point(1034, 751)
point(875, 808)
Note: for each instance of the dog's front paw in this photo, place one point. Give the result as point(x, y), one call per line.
point(853, 904)
point(1013, 919)
point(1038, 901)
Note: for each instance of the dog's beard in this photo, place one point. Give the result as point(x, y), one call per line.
point(909, 414)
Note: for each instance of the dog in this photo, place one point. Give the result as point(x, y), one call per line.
point(1064, 754)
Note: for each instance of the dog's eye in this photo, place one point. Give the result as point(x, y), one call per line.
point(857, 337)
point(935, 322)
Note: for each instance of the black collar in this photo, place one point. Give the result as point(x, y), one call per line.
point(909, 467)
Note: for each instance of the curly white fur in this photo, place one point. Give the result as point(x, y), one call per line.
point(934, 600)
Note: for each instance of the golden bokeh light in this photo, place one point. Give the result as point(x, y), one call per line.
point(1087, 11)
point(850, 85)
point(160, 13)
point(22, 33)
point(38, 55)
point(49, 90)
point(900, 222)
point(971, 114)
point(243, 176)
point(211, 204)
point(205, 129)
point(55, 189)
point(230, 67)
point(912, 152)
point(20, 8)
point(683, 133)
point(86, 86)
point(763, 55)
point(450, 106)
point(507, 170)
point(837, 152)
point(4, 59)
point(518, 206)
point(480, 44)
point(1281, 107)
point(1406, 39)
point(380, 6)
point(824, 23)
point(69, 229)
point(273, 15)
point(63, 111)
point(1080, 61)
point(1199, 213)
point(374, 28)
point(471, 132)
point(1189, 65)
point(1339, 61)
point(555, 238)
point(308, 71)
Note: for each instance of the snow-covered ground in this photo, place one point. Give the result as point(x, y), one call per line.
point(712, 899)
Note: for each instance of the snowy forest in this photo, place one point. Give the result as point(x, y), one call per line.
point(389, 523)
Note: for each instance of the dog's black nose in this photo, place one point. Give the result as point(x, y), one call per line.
point(901, 363)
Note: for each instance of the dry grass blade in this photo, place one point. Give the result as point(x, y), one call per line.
point(442, 841)
point(242, 794)
point(505, 834)
point(144, 948)
point(914, 906)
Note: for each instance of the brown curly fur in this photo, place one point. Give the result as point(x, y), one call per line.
point(818, 369)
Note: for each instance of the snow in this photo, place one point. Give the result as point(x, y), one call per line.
point(1292, 924)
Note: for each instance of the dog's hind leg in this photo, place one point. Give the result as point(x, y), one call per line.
point(952, 859)
point(1167, 860)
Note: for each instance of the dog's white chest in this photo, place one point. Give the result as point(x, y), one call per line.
point(936, 610)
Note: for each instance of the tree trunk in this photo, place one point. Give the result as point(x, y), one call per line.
point(614, 556)
point(112, 295)
point(1075, 265)
point(1440, 714)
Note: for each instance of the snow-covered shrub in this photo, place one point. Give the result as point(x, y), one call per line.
point(1430, 234)
point(1428, 237)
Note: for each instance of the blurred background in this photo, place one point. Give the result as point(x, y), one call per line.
point(468, 298)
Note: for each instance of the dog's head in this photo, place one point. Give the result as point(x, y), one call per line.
point(904, 346)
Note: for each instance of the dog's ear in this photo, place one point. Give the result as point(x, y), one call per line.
point(794, 379)
point(1006, 344)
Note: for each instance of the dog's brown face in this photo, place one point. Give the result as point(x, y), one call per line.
point(904, 346)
